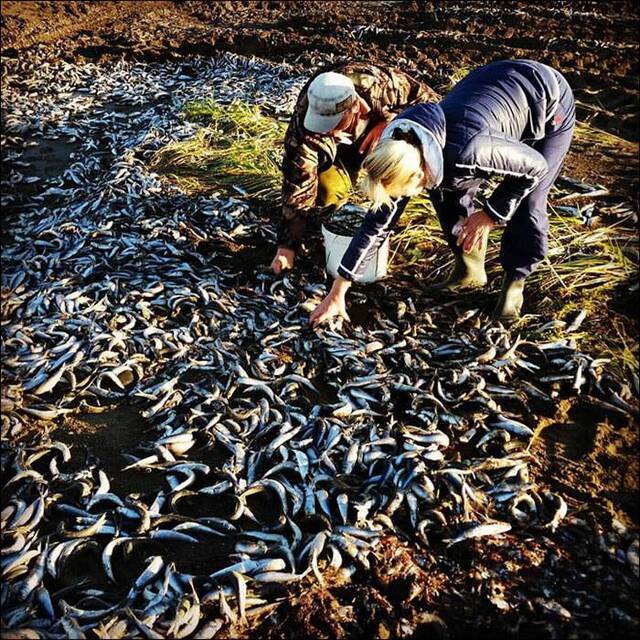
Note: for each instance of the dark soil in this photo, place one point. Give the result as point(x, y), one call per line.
point(108, 435)
point(593, 44)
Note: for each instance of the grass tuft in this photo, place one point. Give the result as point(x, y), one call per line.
point(237, 150)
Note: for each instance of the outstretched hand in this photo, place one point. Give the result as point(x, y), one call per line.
point(334, 303)
point(474, 230)
point(330, 307)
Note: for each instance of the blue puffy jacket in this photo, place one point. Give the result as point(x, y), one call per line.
point(483, 125)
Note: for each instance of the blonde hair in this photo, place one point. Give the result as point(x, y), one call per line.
point(389, 167)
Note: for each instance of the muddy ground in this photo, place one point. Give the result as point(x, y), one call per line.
point(594, 44)
point(571, 583)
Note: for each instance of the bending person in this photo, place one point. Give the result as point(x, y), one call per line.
point(511, 120)
point(339, 115)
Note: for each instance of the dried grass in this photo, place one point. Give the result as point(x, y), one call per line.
point(237, 150)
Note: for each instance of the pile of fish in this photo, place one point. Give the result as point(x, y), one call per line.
point(346, 220)
point(276, 453)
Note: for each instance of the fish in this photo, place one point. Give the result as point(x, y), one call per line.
point(487, 529)
point(292, 452)
point(632, 556)
point(250, 566)
point(107, 554)
point(560, 512)
point(576, 323)
point(512, 426)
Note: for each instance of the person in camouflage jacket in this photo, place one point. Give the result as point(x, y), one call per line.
point(318, 169)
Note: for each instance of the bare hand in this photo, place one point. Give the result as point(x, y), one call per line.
point(333, 305)
point(474, 230)
point(371, 139)
point(283, 260)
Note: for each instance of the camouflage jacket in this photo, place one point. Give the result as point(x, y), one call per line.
point(386, 90)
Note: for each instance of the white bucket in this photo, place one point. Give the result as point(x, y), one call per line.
point(335, 247)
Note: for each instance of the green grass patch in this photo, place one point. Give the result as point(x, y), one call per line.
point(238, 149)
point(460, 73)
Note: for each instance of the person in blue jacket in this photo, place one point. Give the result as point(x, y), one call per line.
point(511, 120)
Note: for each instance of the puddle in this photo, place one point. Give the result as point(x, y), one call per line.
point(49, 158)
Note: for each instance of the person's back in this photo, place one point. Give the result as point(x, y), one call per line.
point(514, 97)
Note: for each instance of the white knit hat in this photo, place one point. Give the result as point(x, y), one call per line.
point(330, 96)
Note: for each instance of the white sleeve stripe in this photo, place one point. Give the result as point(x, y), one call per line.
point(343, 268)
point(372, 240)
point(495, 213)
point(515, 174)
point(505, 172)
point(473, 167)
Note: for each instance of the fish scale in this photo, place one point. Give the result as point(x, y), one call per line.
point(111, 299)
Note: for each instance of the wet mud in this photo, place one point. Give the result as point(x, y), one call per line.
point(105, 436)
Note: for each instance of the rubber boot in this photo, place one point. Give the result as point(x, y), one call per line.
point(510, 300)
point(468, 272)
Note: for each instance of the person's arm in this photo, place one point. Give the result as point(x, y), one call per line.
point(299, 190)
point(521, 168)
point(333, 304)
point(375, 228)
point(372, 232)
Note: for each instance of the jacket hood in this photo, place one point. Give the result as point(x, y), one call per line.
point(427, 121)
